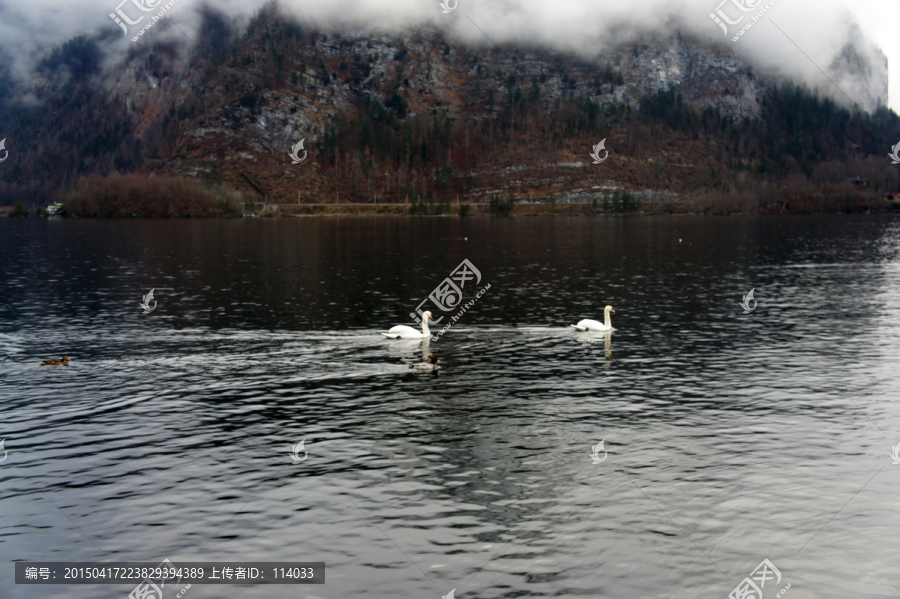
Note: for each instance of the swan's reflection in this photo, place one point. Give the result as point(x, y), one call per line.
point(407, 349)
point(593, 337)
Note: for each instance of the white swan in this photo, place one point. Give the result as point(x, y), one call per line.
point(593, 325)
point(401, 331)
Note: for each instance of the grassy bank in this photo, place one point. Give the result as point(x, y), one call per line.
point(409, 209)
point(703, 205)
point(150, 196)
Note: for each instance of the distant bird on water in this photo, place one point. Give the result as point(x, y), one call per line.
point(64, 360)
point(426, 366)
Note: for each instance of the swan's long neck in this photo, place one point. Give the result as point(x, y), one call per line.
point(606, 318)
point(425, 326)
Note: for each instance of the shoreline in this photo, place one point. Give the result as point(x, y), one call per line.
point(483, 209)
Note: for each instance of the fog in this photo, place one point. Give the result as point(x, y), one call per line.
point(794, 39)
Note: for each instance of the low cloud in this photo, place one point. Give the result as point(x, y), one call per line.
point(793, 39)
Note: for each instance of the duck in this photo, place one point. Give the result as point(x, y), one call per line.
point(64, 360)
point(426, 366)
point(593, 325)
point(401, 331)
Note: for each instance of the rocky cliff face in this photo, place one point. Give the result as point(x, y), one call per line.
point(439, 75)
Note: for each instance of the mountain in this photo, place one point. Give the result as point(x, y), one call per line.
point(396, 118)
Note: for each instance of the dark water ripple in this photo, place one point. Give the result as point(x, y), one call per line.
point(731, 437)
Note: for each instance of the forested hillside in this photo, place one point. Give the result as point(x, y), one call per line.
point(403, 119)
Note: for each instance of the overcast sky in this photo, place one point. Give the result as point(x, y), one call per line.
point(817, 30)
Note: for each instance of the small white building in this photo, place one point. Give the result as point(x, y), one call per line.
point(53, 208)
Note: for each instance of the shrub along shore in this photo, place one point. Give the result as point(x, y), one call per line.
point(143, 196)
point(152, 196)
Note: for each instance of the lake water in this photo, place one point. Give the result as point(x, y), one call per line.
point(729, 438)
